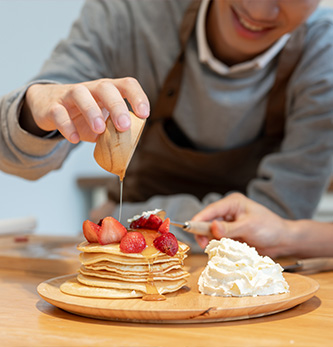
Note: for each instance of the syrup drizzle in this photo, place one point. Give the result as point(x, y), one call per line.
point(121, 181)
point(150, 254)
point(152, 292)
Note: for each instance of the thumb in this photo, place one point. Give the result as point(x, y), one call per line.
point(219, 229)
point(232, 230)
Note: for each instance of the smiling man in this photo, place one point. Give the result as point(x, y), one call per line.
point(240, 30)
point(239, 93)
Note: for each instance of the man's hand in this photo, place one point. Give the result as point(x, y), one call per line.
point(242, 219)
point(79, 111)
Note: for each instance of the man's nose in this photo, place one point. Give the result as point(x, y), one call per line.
point(262, 10)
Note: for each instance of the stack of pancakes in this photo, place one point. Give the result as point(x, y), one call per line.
point(106, 272)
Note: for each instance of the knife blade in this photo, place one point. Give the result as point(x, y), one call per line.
point(311, 265)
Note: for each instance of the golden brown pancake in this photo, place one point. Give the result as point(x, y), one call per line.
point(73, 287)
point(107, 272)
point(161, 286)
point(171, 275)
point(134, 268)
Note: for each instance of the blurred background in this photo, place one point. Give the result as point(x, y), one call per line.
point(29, 30)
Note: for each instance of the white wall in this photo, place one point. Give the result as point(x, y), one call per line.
point(29, 29)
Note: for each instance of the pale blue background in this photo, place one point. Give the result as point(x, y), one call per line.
point(29, 29)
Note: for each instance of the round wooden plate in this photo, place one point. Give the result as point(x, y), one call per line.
point(187, 305)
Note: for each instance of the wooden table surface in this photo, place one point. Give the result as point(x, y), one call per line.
point(27, 320)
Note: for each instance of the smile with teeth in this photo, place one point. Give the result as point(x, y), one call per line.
point(249, 26)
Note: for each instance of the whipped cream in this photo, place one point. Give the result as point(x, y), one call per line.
point(235, 269)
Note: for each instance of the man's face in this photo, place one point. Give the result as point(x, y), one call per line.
point(249, 27)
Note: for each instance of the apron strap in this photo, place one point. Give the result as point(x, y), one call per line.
point(168, 95)
point(277, 97)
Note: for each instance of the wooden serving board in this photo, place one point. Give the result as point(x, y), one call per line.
point(185, 306)
point(48, 254)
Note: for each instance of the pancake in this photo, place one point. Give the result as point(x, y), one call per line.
point(92, 258)
point(136, 277)
point(107, 272)
point(134, 268)
point(162, 287)
point(114, 249)
point(73, 287)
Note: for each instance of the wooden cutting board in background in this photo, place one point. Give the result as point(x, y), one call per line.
point(37, 253)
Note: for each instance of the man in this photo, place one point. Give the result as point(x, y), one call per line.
point(240, 93)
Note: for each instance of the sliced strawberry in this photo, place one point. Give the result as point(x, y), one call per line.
point(138, 223)
point(167, 243)
point(165, 226)
point(153, 222)
point(111, 231)
point(133, 242)
point(90, 231)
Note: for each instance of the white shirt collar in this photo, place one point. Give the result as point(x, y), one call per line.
point(206, 56)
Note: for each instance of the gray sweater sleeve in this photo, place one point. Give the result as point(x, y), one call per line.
point(73, 60)
point(23, 154)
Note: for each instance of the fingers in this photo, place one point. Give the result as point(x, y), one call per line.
point(218, 230)
point(108, 97)
point(79, 111)
point(210, 212)
point(240, 229)
point(227, 208)
point(78, 117)
point(96, 100)
point(112, 95)
point(131, 90)
point(64, 123)
point(202, 241)
point(88, 107)
point(238, 232)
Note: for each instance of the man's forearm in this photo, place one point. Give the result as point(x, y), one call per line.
point(314, 239)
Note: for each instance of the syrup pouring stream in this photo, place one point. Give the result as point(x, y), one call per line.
point(114, 149)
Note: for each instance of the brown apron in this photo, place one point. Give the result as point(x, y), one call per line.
point(166, 163)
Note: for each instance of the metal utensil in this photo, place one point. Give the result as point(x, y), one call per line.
point(197, 228)
point(311, 265)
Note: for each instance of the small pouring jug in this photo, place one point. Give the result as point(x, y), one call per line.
point(114, 149)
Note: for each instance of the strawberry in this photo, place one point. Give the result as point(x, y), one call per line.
point(167, 243)
point(164, 227)
point(90, 231)
point(133, 242)
point(111, 231)
point(138, 223)
point(153, 222)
